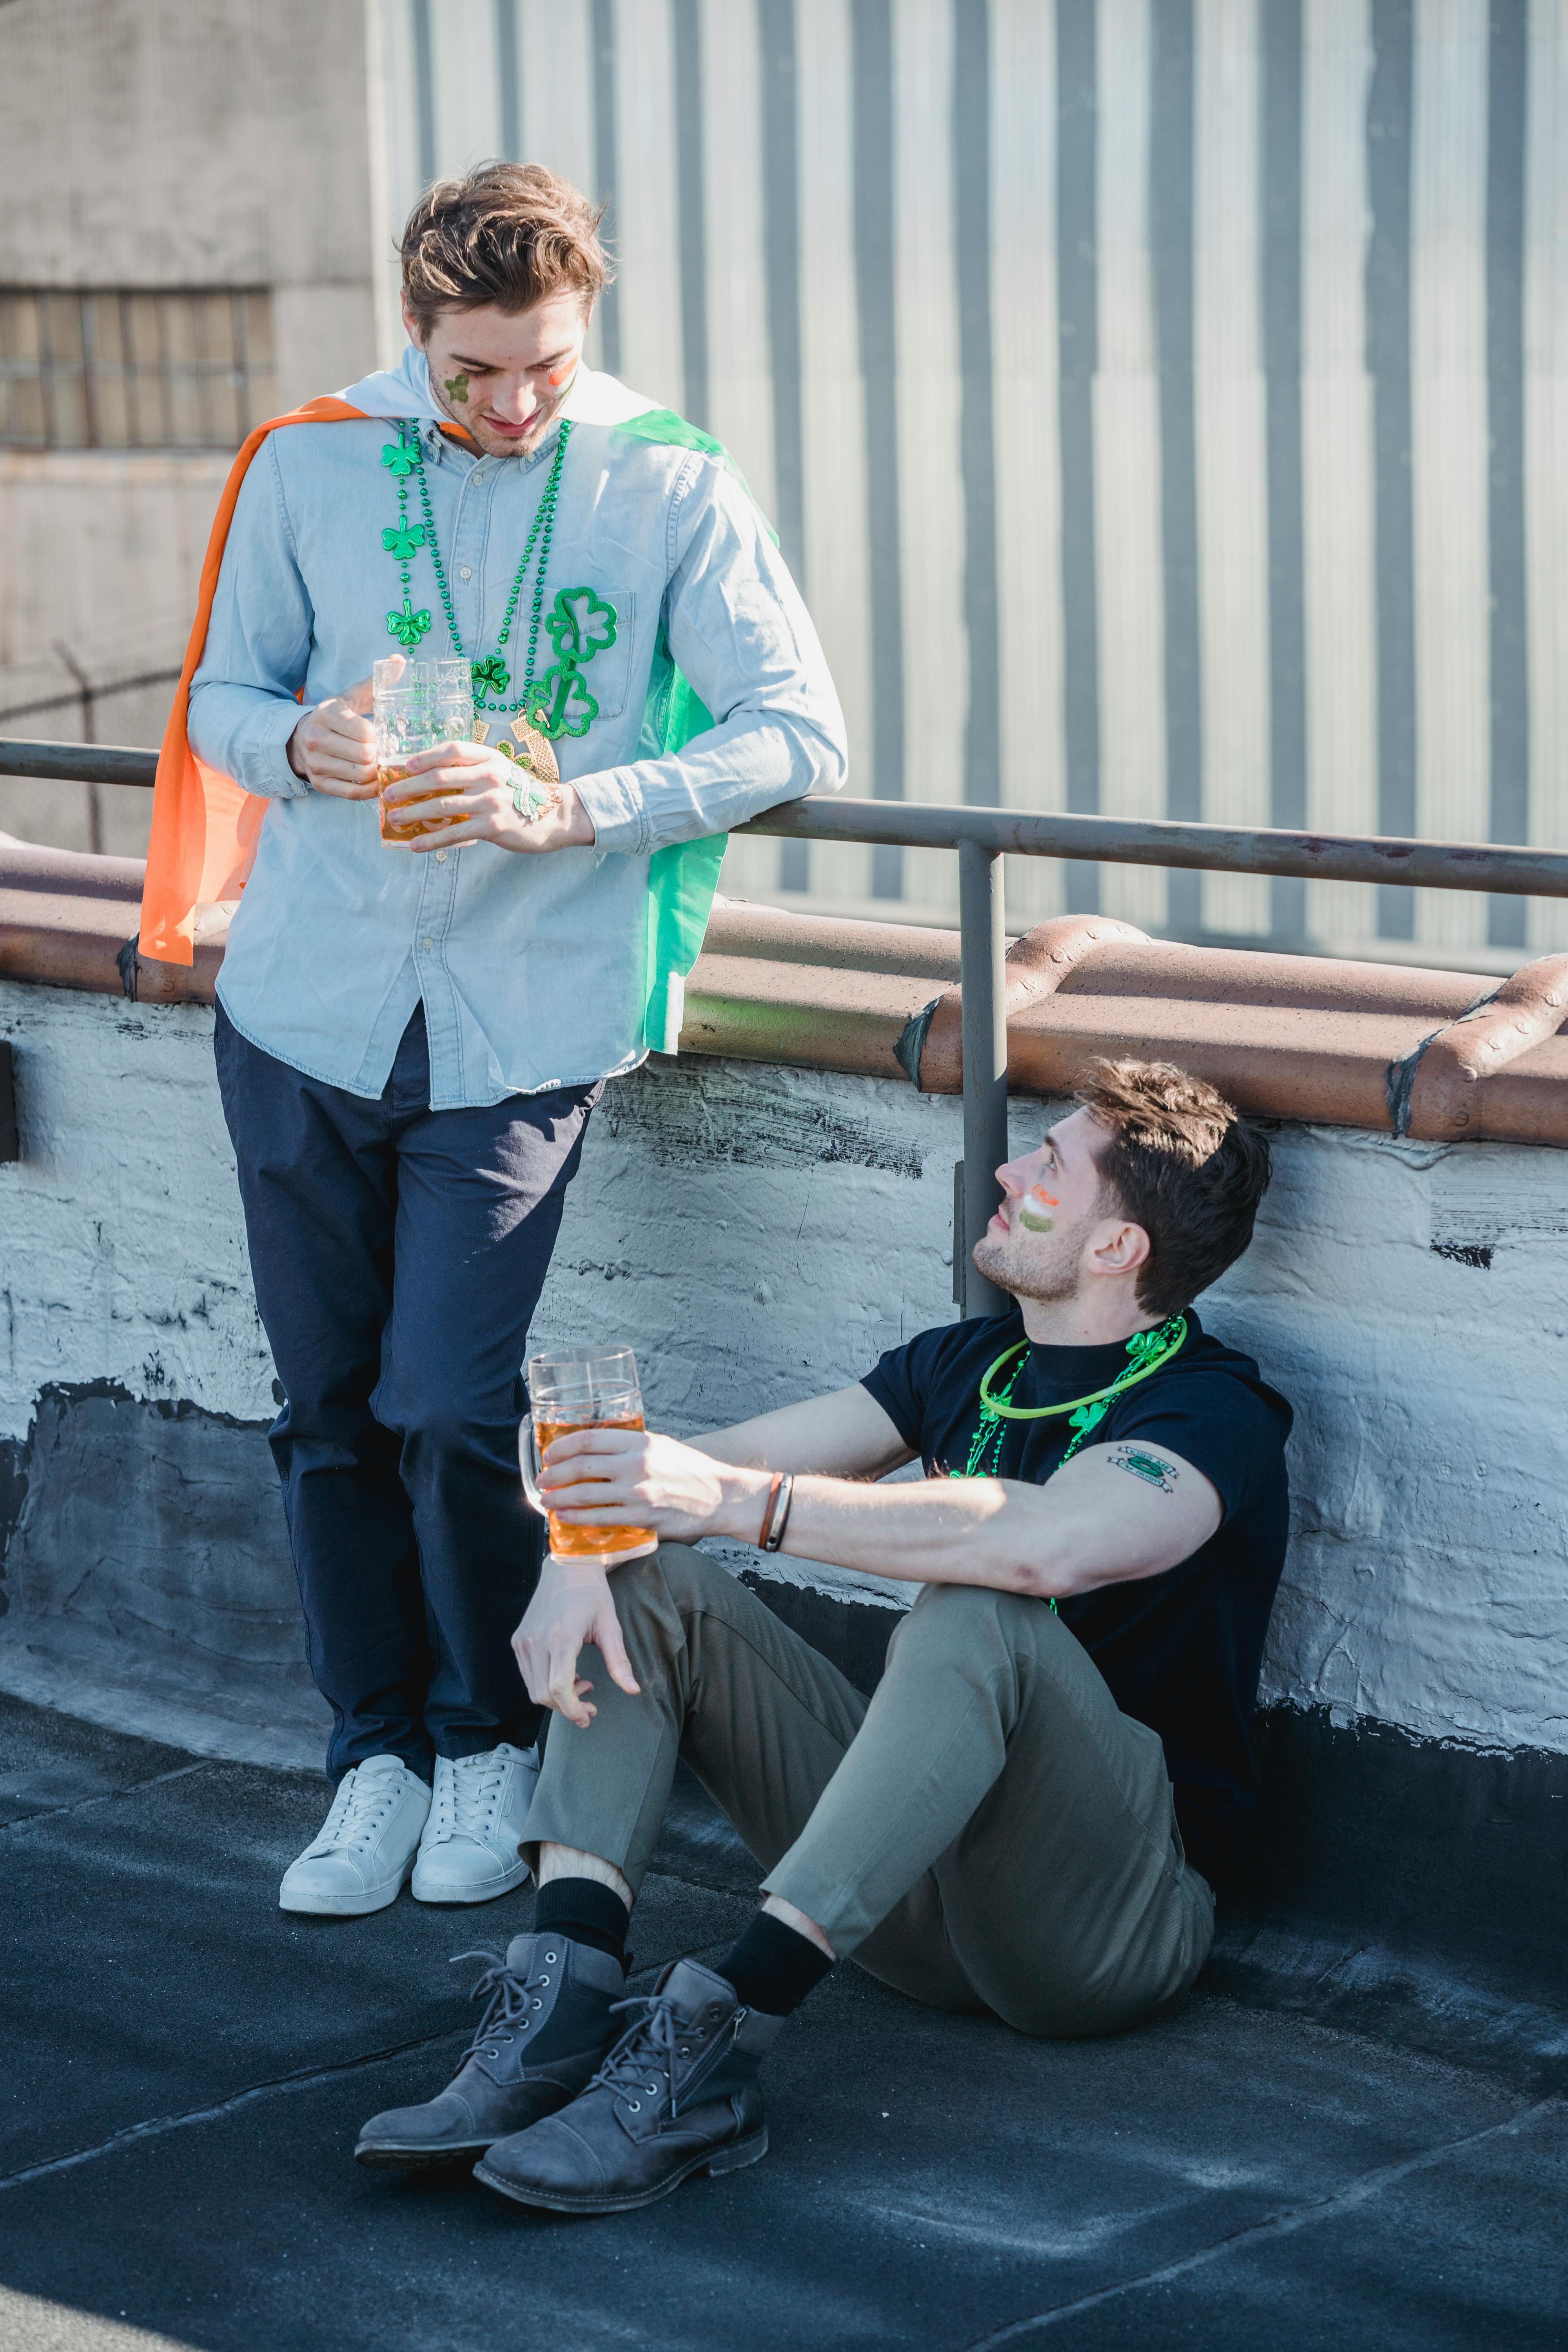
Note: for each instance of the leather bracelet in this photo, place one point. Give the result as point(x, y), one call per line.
point(771, 1542)
point(766, 1528)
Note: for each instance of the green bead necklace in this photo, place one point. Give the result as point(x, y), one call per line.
point(404, 540)
point(1148, 1350)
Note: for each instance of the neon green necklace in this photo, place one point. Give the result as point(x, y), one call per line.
point(1148, 1351)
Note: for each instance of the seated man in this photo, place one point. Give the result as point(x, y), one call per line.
point(1030, 1816)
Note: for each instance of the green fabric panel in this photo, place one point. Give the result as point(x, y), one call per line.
point(683, 877)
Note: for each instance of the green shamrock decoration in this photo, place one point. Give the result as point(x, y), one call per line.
point(404, 540)
point(559, 704)
point(399, 457)
point(580, 624)
point(407, 626)
point(490, 675)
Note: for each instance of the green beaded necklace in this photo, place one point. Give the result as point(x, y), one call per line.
point(1147, 1349)
point(581, 624)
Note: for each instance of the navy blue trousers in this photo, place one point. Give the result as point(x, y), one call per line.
point(398, 1254)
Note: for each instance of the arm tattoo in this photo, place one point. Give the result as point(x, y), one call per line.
point(1147, 1467)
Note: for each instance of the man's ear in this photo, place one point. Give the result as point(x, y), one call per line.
point(415, 331)
point(1120, 1249)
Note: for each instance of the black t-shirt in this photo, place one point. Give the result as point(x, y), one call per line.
point(1181, 1652)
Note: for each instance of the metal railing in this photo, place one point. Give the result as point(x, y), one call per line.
point(983, 837)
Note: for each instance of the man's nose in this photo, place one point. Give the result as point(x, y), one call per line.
point(516, 401)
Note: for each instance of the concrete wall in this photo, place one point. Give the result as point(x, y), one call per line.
point(759, 1233)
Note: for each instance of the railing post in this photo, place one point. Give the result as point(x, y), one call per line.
point(985, 1062)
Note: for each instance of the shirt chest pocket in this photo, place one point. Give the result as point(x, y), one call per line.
point(594, 640)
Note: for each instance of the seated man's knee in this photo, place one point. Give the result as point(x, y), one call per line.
point(690, 1577)
point(946, 1620)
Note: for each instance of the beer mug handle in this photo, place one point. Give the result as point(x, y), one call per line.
point(527, 1459)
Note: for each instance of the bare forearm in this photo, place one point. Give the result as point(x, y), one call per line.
point(938, 1531)
point(844, 1435)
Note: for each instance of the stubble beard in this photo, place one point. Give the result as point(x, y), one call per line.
point(1048, 1284)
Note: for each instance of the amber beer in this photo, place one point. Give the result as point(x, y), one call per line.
point(569, 1393)
point(398, 836)
point(417, 706)
point(591, 1543)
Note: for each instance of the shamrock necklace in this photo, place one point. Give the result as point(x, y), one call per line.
point(580, 624)
point(1147, 1350)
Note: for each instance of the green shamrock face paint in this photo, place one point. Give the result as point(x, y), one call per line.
point(1032, 1212)
point(457, 389)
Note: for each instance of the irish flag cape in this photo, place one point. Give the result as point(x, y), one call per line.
point(205, 826)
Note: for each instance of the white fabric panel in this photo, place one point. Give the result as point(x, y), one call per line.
point(1337, 454)
point(739, 375)
point(400, 117)
point(466, 76)
point(1546, 446)
point(931, 482)
point(647, 226)
point(1232, 448)
point(1450, 449)
point(1028, 449)
point(1127, 462)
point(556, 62)
point(833, 410)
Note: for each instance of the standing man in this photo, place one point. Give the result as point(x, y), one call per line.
point(410, 1040)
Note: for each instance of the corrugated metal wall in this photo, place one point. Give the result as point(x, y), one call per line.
point(1162, 402)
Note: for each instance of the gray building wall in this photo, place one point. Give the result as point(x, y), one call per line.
point(150, 144)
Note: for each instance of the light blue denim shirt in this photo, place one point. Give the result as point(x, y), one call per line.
point(530, 968)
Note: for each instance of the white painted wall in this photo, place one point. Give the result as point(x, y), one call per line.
point(758, 1233)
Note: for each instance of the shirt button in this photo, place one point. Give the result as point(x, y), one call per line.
point(464, 573)
point(440, 857)
point(427, 944)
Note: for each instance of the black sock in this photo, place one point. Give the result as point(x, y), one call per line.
point(772, 1967)
point(584, 1913)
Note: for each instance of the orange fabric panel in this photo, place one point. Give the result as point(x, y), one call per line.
point(205, 825)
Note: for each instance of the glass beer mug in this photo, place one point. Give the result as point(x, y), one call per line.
point(568, 1392)
point(415, 705)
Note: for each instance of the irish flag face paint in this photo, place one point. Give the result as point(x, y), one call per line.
point(1033, 1208)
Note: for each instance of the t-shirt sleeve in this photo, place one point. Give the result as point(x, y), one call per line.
point(1213, 1419)
point(902, 1379)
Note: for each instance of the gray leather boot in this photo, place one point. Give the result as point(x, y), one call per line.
point(549, 2023)
point(678, 2095)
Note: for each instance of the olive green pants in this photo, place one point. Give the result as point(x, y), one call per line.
point(988, 1832)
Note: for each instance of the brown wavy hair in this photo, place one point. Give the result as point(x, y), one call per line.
point(507, 234)
point(1181, 1162)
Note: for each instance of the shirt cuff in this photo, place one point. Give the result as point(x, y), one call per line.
point(615, 805)
point(267, 755)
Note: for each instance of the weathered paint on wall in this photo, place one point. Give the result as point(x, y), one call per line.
point(759, 1234)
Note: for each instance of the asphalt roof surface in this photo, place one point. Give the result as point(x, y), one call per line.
point(185, 2067)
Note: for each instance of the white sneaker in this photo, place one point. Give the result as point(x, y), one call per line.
point(367, 1843)
point(477, 1811)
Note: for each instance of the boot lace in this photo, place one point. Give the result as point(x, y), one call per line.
point(365, 1804)
point(653, 2046)
point(511, 1998)
point(466, 1796)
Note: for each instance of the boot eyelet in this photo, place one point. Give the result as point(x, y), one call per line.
point(544, 1980)
point(636, 2106)
point(551, 1957)
point(539, 2004)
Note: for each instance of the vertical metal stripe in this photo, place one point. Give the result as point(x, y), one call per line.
point(1077, 314)
point(693, 219)
point(972, 271)
point(606, 170)
point(872, 47)
point(781, 202)
point(507, 74)
point(1507, 64)
point(1388, 364)
point(425, 89)
point(781, 232)
point(1280, 258)
point(1171, 258)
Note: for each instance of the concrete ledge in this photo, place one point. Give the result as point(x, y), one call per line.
point(1437, 1055)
